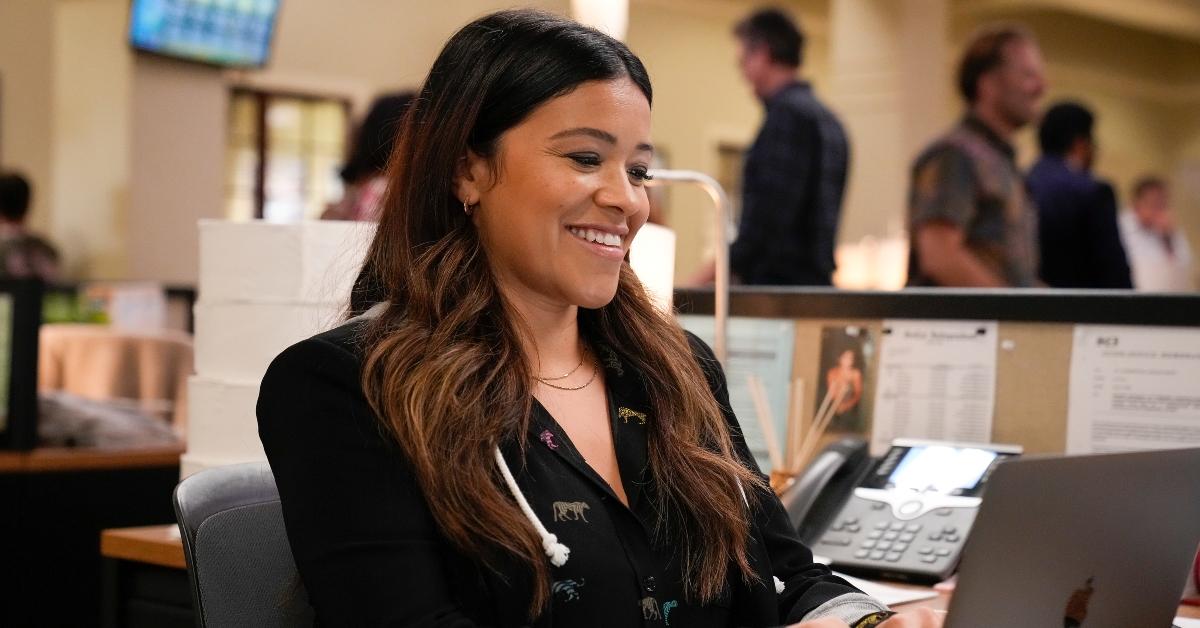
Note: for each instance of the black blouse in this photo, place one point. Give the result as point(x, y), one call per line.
point(370, 554)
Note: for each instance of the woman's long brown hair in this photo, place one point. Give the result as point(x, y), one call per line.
point(445, 370)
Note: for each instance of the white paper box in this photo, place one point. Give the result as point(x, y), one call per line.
point(311, 261)
point(237, 341)
point(221, 422)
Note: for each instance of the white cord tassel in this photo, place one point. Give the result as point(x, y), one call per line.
point(778, 585)
point(556, 551)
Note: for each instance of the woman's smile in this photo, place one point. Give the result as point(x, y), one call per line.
point(607, 242)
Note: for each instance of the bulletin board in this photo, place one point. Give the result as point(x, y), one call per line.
point(1035, 331)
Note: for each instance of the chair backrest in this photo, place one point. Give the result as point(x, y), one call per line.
point(238, 558)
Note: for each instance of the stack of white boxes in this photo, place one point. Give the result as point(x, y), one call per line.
point(263, 287)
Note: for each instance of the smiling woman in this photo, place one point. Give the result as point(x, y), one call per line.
point(559, 220)
point(514, 434)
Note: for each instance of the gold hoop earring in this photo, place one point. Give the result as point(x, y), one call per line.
point(466, 208)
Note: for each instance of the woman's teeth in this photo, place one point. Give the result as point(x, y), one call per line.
point(599, 237)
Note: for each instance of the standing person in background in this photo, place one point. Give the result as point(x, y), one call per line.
point(795, 171)
point(363, 174)
point(1079, 243)
point(972, 223)
point(23, 255)
point(1159, 254)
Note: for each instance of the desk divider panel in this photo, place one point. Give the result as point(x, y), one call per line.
point(1035, 340)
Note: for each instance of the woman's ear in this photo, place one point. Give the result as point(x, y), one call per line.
point(472, 177)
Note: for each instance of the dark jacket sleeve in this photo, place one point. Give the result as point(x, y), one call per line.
point(807, 584)
point(363, 538)
point(1109, 261)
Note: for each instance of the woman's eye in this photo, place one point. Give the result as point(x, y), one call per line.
point(585, 159)
point(640, 174)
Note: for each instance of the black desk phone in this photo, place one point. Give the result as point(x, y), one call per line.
point(904, 516)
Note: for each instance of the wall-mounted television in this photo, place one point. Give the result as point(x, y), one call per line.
point(233, 33)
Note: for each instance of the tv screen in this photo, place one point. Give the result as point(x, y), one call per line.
point(234, 33)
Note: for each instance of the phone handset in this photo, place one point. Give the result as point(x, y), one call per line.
point(825, 483)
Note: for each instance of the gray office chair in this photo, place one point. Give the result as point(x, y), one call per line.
point(238, 558)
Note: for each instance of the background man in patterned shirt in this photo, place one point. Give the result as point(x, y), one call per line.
point(970, 220)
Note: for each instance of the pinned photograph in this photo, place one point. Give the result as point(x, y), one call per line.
point(845, 354)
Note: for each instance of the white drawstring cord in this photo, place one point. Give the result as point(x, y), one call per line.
point(555, 550)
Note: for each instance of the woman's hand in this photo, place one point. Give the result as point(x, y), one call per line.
point(916, 618)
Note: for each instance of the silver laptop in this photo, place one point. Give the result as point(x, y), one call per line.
point(1098, 541)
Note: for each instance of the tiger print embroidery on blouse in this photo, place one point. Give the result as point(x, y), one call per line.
point(626, 414)
point(570, 511)
point(649, 609)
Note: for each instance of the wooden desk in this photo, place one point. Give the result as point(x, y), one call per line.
point(154, 545)
point(145, 579)
point(70, 459)
point(55, 504)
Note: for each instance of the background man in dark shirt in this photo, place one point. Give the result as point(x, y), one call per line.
point(970, 221)
point(795, 171)
point(1079, 242)
point(23, 255)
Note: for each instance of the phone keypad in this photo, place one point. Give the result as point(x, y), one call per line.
point(863, 539)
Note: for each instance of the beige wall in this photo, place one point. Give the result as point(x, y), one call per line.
point(127, 151)
point(889, 87)
point(26, 71)
point(91, 126)
point(177, 167)
point(358, 48)
point(64, 122)
point(324, 48)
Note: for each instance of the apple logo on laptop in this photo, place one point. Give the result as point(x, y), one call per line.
point(1077, 605)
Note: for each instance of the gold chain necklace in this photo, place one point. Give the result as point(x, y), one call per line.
point(579, 387)
point(582, 357)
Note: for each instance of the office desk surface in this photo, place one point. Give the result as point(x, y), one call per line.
point(156, 545)
point(87, 459)
point(57, 501)
point(161, 545)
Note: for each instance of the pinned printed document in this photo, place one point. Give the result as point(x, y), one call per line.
point(761, 347)
point(937, 380)
point(1133, 388)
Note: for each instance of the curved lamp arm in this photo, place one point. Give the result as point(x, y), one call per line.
point(724, 230)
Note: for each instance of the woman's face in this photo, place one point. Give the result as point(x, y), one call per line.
point(558, 211)
point(846, 360)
